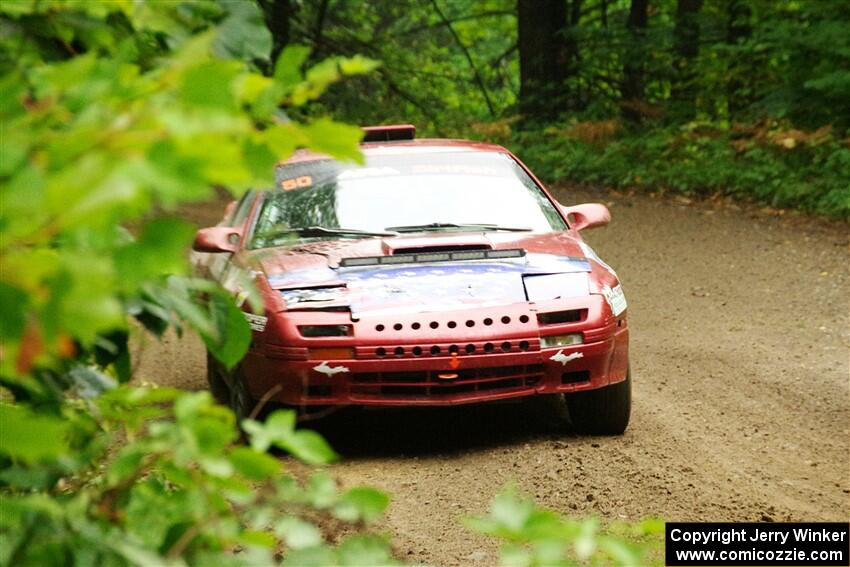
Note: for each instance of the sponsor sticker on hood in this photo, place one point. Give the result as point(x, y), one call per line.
point(440, 286)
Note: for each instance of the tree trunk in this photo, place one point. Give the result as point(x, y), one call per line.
point(738, 30)
point(544, 58)
point(278, 13)
point(576, 98)
point(686, 46)
point(634, 66)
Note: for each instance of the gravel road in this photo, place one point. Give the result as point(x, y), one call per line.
point(740, 342)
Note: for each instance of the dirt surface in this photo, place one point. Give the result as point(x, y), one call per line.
point(740, 342)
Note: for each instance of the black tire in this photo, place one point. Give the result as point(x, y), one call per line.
point(605, 411)
point(215, 378)
point(240, 400)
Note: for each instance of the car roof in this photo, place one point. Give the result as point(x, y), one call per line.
point(400, 147)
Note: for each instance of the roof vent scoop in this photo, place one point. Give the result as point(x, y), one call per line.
point(389, 133)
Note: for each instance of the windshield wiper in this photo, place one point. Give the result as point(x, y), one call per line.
point(436, 226)
point(309, 231)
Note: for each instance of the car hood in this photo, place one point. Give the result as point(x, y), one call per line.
point(319, 275)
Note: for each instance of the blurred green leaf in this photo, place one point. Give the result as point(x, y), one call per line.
point(362, 503)
point(125, 465)
point(307, 446)
point(333, 138)
point(160, 250)
point(253, 464)
point(316, 556)
point(280, 424)
point(358, 65)
point(321, 490)
point(297, 533)
point(13, 305)
point(288, 67)
point(364, 550)
point(243, 33)
point(210, 86)
point(30, 437)
point(233, 333)
point(510, 511)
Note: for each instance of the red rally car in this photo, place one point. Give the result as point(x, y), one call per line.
point(440, 272)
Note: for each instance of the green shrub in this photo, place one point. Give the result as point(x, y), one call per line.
point(536, 537)
point(139, 476)
point(110, 111)
point(813, 174)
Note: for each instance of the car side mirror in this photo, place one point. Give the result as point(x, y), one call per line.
point(587, 215)
point(217, 239)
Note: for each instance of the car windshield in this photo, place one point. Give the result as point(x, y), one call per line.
point(438, 191)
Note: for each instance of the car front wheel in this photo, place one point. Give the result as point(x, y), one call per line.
point(240, 400)
point(605, 411)
point(215, 378)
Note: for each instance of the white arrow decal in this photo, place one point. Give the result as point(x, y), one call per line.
point(565, 358)
point(330, 371)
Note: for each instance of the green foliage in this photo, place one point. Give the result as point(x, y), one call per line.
point(131, 107)
point(155, 476)
point(113, 114)
point(770, 163)
point(533, 536)
point(279, 430)
point(425, 77)
point(754, 59)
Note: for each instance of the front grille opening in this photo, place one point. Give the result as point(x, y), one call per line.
point(556, 317)
point(575, 377)
point(395, 391)
point(318, 391)
point(431, 384)
point(317, 331)
point(417, 376)
point(501, 371)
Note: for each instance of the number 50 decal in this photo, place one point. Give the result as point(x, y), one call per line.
point(296, 183)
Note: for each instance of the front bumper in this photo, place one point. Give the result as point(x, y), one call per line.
point(446, 366)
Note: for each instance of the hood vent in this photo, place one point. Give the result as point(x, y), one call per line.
point(444, 248)
point(463, 255)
